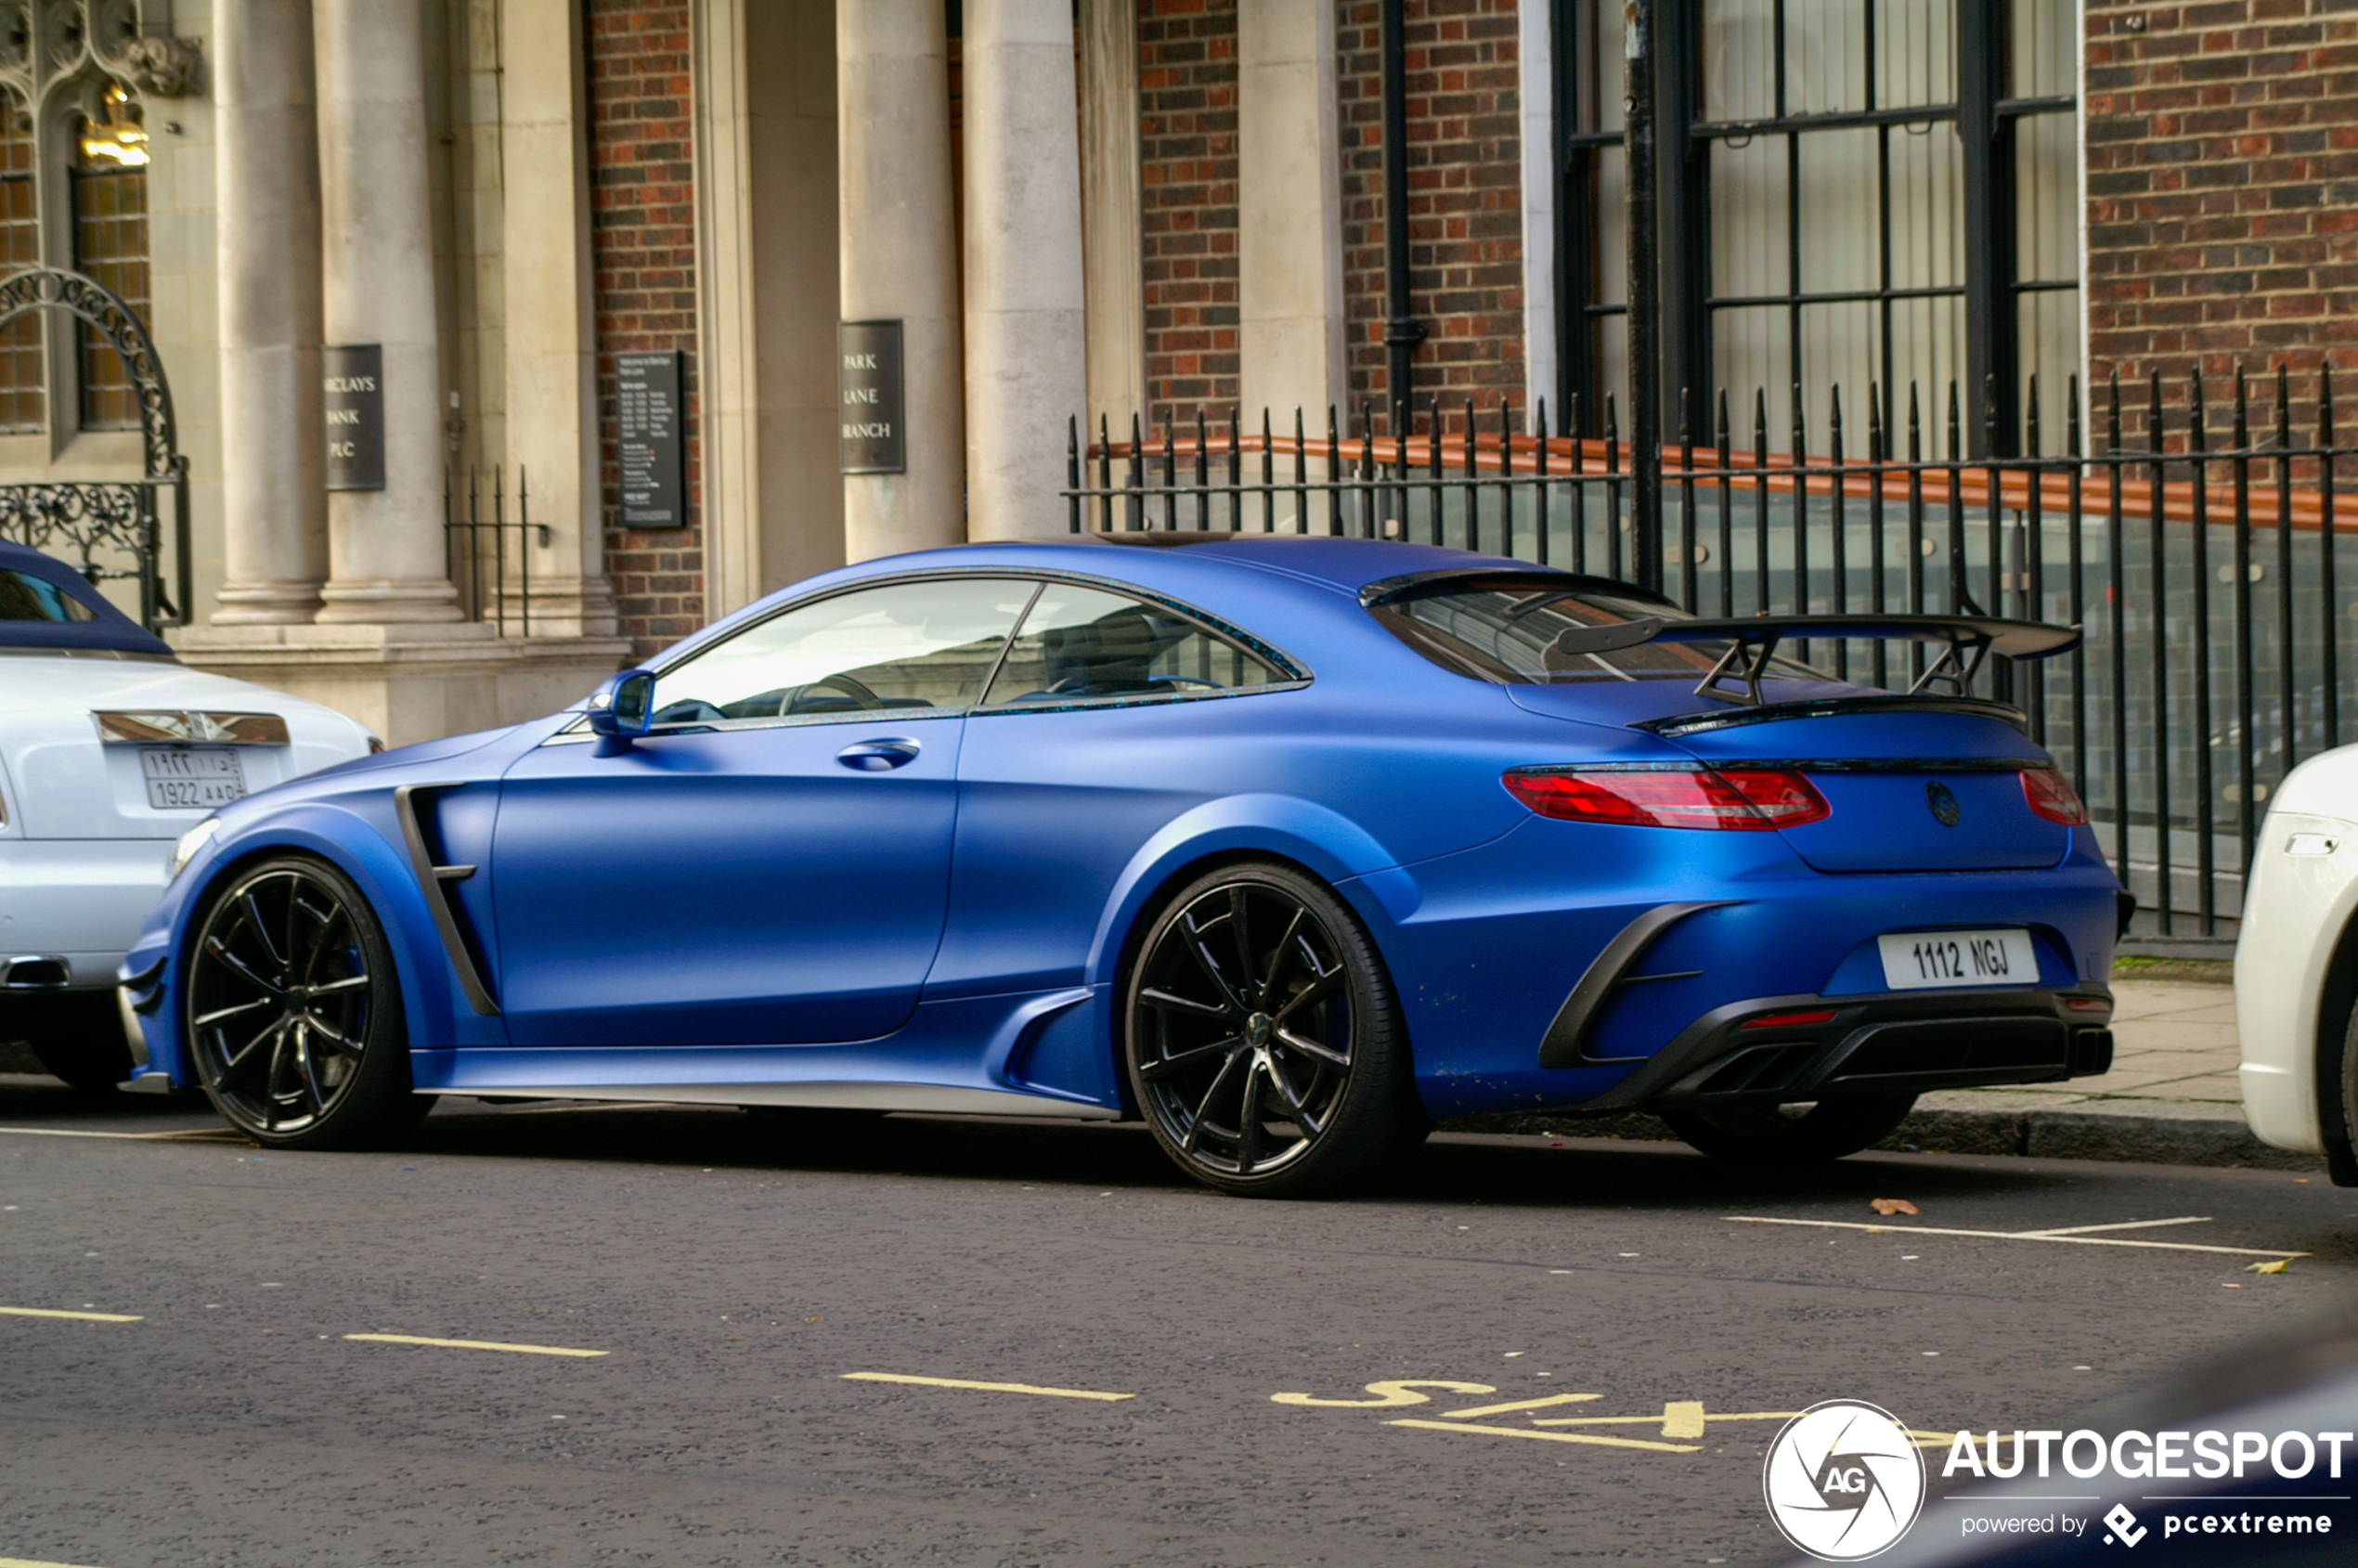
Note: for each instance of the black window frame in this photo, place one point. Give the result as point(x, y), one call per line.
point(1986, 122)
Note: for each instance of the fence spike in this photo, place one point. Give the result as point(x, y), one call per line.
point(2030, 420)
point(2071, 415)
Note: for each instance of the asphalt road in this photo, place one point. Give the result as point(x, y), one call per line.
point(1198, 1367)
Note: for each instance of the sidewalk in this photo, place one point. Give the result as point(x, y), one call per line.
point(2171, 1099)
point(2171, 1096)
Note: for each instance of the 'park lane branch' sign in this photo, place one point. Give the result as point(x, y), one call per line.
point(354, 398)
point(868, 381)
point(655, 479)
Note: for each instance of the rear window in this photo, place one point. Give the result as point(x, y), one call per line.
point(26, 597)
point(1510, 634)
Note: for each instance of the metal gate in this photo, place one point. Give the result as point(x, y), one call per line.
point(111, 530)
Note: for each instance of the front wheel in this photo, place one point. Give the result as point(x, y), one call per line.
point(1263, 1040)
point(1786, 1135)
point(292, 1012)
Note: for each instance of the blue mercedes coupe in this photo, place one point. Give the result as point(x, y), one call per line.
point(1286, 846)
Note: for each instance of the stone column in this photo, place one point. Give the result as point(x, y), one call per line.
point(386, 547)
point(547, 305)
point(267, 186)
point(1027, 358)
point(1110, 207)
point(892, 96)
point(1289, 214)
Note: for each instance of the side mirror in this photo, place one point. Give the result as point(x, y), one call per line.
point(622, 709)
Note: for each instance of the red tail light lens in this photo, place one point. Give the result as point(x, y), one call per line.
point(2051, 797)
point(1743, 802)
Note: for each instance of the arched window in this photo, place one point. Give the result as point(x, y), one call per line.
point(21, 398)
point(109, 177)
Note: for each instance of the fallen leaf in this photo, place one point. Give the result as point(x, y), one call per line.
point(1892, 1206)
point(2277, 1267)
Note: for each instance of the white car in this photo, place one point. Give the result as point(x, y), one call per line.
point(110, 750)
point(2297, 966)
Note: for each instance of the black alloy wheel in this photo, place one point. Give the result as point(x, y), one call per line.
point(1784, 1135)
point(292, 1012)
point(1263, 1043)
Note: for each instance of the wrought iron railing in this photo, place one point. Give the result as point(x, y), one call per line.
point(2203, 570)
point(474, 544)
point(109, 530)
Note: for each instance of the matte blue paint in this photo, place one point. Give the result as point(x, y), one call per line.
point(741, 908)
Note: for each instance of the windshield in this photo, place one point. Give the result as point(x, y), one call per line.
point(1511, 634)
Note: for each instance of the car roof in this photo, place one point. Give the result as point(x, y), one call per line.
point(111, 632)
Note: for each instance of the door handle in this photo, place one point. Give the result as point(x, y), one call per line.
point(878, 757)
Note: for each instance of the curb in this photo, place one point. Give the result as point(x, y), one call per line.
point(2197, 1136)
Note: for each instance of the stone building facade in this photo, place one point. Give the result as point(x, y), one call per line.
point(1123, 209)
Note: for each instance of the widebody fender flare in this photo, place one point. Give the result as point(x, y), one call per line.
point(1322, 841)
point(362, 841)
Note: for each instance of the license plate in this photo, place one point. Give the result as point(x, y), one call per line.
point(1922, 960)
point(180, 778)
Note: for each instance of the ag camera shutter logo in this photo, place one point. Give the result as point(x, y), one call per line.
point(1843, 1481)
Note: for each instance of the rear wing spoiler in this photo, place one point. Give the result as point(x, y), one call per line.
point(1965, 642)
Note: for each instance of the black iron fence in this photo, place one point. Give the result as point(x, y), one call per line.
point(476, 526)
point(2196, 547)
point(132, 531)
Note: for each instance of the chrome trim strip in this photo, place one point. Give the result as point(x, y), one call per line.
point(938, 1099)
point(429, 883)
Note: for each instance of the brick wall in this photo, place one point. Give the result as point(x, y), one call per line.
point(1465, 200)
point(1188, 158)
point(2222, 195)
point(642, 237)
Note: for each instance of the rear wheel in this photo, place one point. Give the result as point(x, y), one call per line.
point(293, 1013)
point(1263, 1040)
point(1795, 1134)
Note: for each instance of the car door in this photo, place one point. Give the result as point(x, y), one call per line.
point(1095, 732)
point(769, 866)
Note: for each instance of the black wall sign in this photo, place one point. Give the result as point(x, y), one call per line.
point(868, 377)
point(355, 401)
point(654, 477)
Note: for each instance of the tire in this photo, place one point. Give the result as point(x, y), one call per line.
point(1262, 1038)
point(86, 1046)
point(292, 1012)
point(1770, 1136)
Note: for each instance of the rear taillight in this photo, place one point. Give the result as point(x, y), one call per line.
point(2051, 797)
point(1743, 801)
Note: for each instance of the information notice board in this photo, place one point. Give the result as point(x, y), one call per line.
point(647, 421)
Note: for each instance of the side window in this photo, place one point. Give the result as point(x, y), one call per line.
point(906, 647)
point(24, 597)
point(1082, 642)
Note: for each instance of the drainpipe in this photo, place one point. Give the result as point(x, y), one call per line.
point(1402, 332)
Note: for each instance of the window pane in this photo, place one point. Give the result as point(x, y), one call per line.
point(909, 645)
point(20, 400)
point(28, 597)
point(1079, 642)
point(109, 181)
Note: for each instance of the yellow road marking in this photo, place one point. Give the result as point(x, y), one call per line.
point(1679, 1419)
point(1591, 1437)
point(84, 1317)
point(1521, 1404)
point(990, 1388)
point(2019, 1235)
point(29, 1562)
point(472, 1344)
point(1682, 1418)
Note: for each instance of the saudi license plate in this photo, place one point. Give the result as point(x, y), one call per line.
point(179, 777)
point(1922, 960)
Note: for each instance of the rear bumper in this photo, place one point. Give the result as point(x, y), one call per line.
point(1897, 1043)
